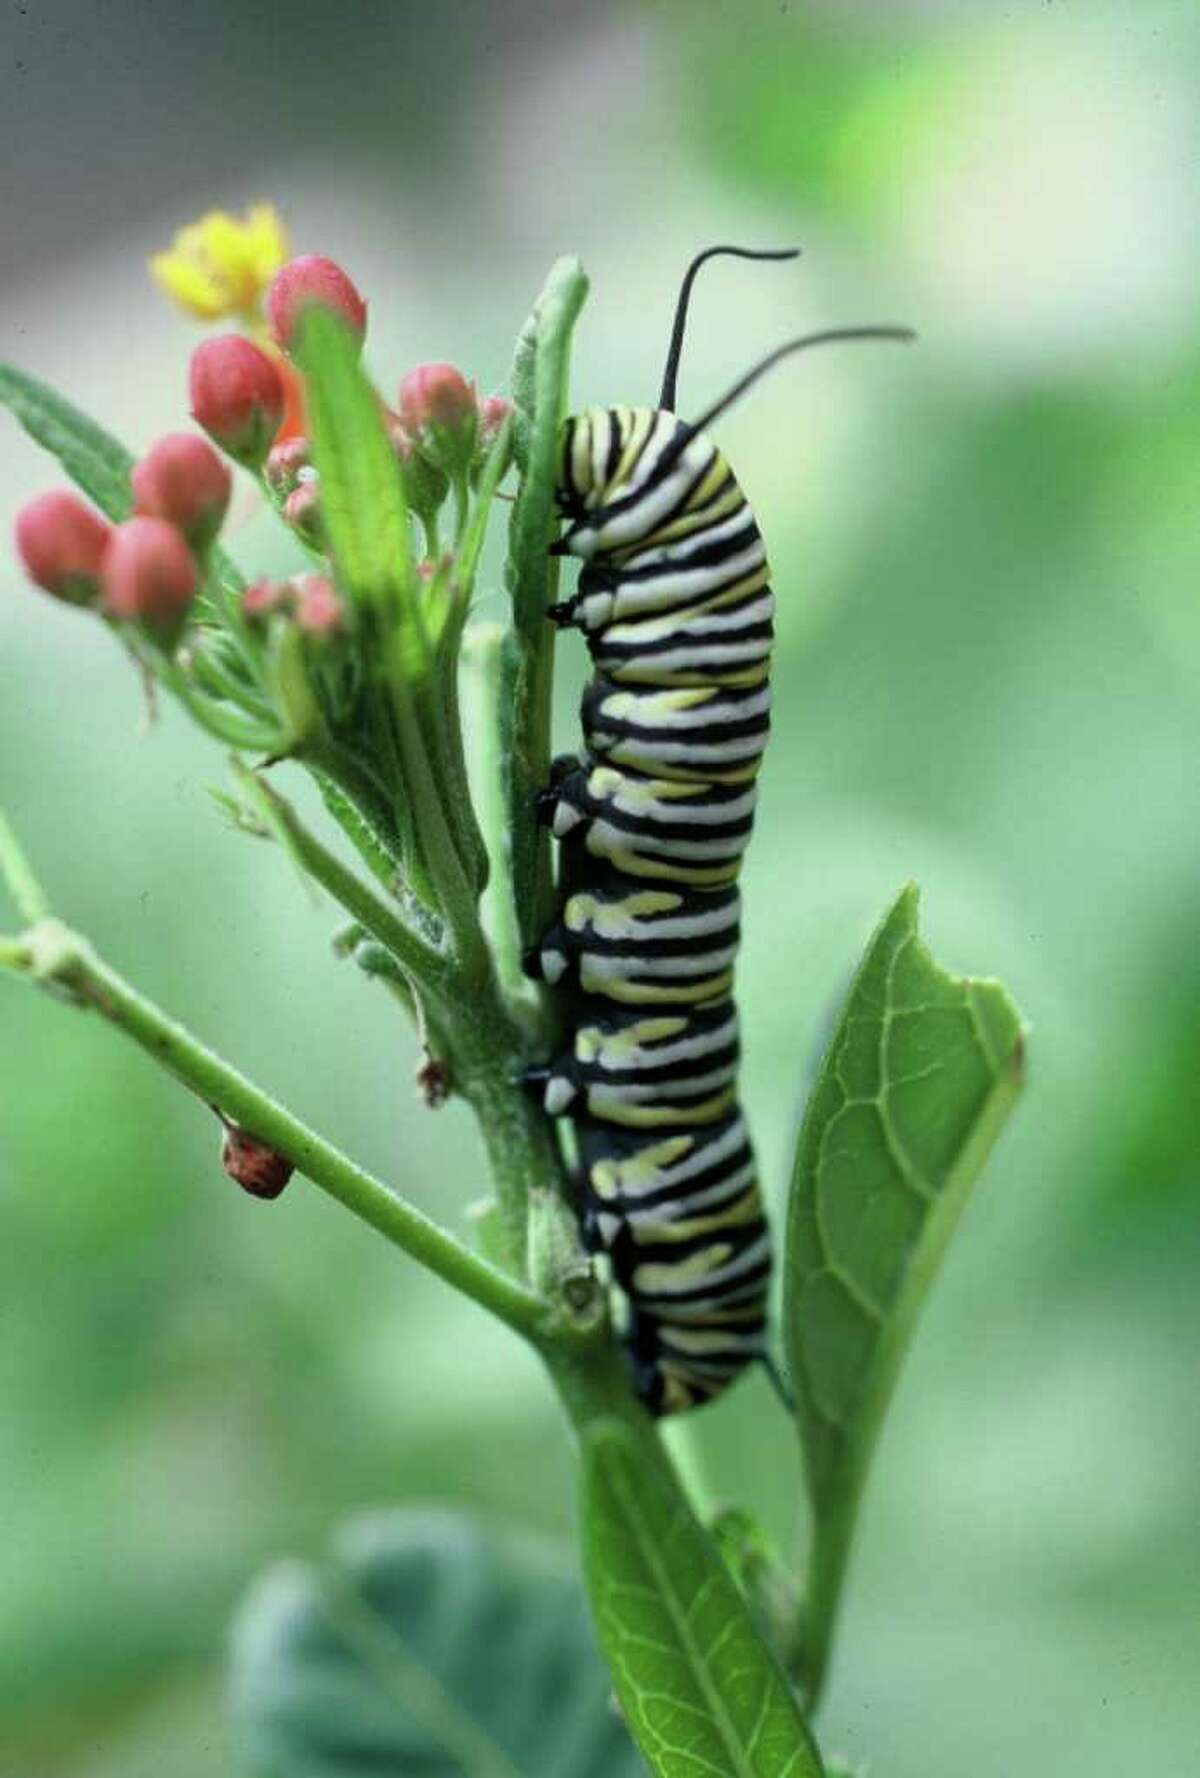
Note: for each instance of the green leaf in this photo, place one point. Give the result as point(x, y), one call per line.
point(362, 497)
point(700, 1690)
point(922, 1071)
point(767, 1585)
point(423, 1645)
point(539, 382)
point(94, 460)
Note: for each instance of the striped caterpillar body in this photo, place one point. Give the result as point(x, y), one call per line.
point(653, 817)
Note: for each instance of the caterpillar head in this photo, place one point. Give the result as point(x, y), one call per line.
point(588, 452)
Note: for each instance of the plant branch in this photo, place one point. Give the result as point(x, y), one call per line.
point(54, 957)
point(29, 898)
point(415, 955)
point(482, 656)
point(539, 392)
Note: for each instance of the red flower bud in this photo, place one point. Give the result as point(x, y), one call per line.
point(429, 567)
point(149, 575)
point(62, 543)
point(493, 411)
point(182, 479)
point(262, 598)
point(258, 1169)
point(286, 460)
point(237, 396)
point(302, 511)
point(439, 412)
point(312, 282)
point(319, 612)
point(425, 486)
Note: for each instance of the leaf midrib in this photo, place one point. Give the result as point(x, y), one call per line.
point(413, 1685)
point(712, 1696)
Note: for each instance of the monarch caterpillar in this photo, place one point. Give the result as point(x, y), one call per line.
point(653, 818)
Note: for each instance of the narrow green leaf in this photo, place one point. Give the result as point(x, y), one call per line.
point(700, 1690)
point(362, 497)
point(921, 1073)
point(17, 875)
point(94, 460)
point(494, 471)
point(423, 1645)
point(539, 383)
point(367, 842)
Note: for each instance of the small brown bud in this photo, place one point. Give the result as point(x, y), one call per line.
point(258, 1169)
point(433, 1081)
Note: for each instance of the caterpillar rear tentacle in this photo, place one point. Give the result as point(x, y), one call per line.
point(653, 817)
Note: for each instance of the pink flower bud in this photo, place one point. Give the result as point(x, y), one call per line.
point(312, 282)
point(62, 543)
point(285, 461)
point(439, 412)
point(425, 486)
point(149, 575)
point(430, 567)
point(238, 396)
point(319, 611)
point(493, 411)
point(262, 598)
point(302, 511)
point(182, 479)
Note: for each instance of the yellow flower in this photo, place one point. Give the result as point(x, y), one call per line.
point(220, 266)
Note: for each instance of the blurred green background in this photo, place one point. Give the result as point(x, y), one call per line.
point(985, 553)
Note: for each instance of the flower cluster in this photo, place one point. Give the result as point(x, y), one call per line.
point(148, 569)
point(348, 662)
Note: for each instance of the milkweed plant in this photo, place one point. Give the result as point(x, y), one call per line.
point(356, 671)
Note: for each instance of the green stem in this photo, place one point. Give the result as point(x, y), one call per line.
point(539, 388)
point(227, 724)
point(593, 1384)
point(216, 676)
point(520, 1142)
point(411, 951)
point(462, 507)
point(833, 1534)
point(53, 955)
point(482, 656)
point(455, 894)
point(27, 893)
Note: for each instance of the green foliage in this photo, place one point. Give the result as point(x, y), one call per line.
point(921, 1073)
point(767, 1585)
point(95, 461)
point(539, 384)
point(362, 498)
point(423, 1644)
point(699, 1688)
